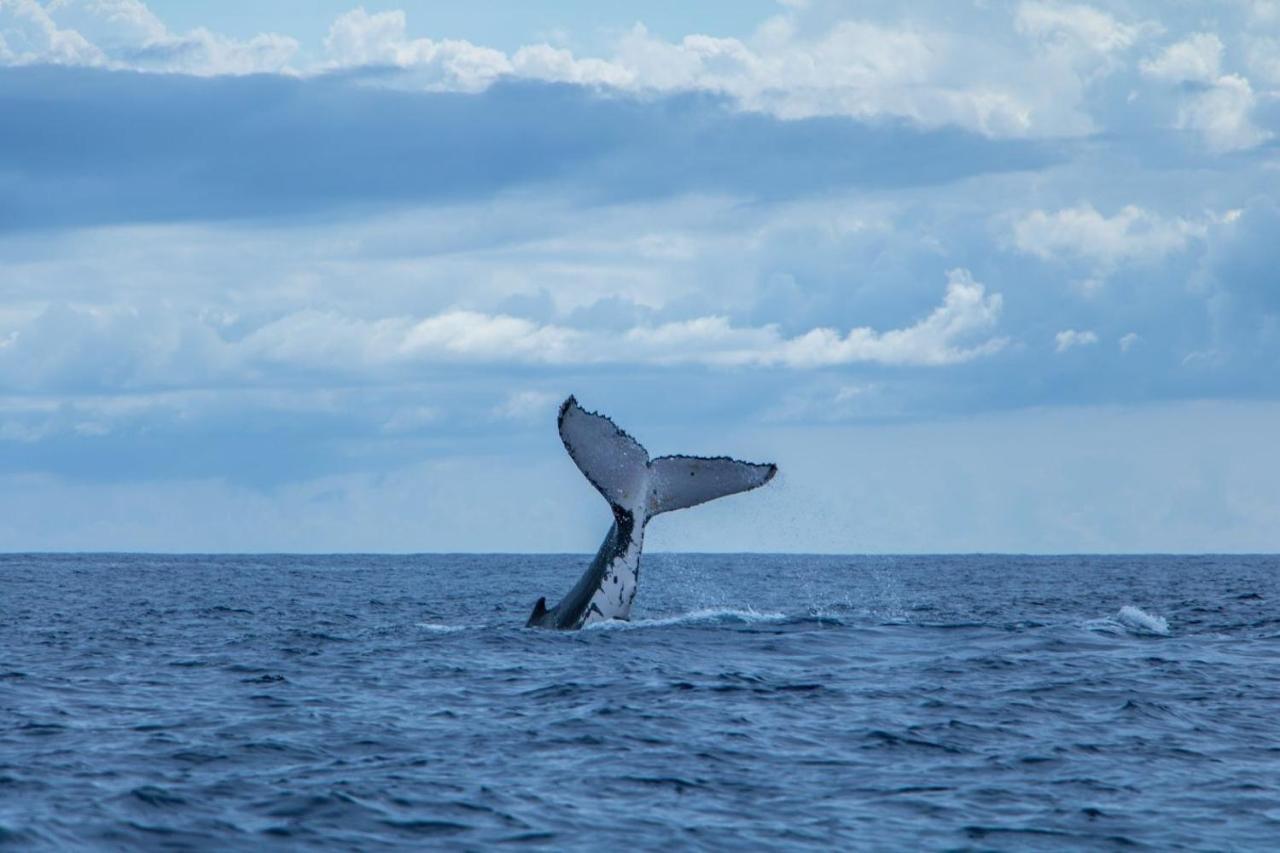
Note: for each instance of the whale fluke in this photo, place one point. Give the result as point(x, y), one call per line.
point(637, 489)
point(678, 482)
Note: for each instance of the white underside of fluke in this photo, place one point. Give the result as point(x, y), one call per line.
point(620, 468)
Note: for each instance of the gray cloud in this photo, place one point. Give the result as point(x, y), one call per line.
point(86, 146)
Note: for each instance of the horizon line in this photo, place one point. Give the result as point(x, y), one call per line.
point(120, 553)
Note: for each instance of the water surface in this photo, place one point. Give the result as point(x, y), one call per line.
point(984, 702)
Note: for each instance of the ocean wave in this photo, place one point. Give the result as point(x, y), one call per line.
point(441, 629)
point(710, 614)
point(1132, 620)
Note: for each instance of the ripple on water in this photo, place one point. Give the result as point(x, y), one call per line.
point(753, 702)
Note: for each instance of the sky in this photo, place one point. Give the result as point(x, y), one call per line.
point(979, 276)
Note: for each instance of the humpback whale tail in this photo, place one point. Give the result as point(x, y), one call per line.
point(637, 488)
point(621, 470)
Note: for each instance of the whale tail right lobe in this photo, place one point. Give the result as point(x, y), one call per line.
point(620, 468)
point(678, 482)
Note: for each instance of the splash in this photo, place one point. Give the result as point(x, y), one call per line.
point(1140, 622)
point(710, 614)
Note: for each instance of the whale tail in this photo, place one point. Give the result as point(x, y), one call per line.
point(620, 468)
point(637, 488)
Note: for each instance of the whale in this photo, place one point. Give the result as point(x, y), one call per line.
point(637, 489)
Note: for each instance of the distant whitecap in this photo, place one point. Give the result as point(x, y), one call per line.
point(441, 629)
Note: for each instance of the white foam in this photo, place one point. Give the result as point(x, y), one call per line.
point(441, 629)
point(711, 614)
point(1141, 622)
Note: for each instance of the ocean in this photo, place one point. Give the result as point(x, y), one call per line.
point(783, 702)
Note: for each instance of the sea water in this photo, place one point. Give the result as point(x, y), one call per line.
point(366, 702)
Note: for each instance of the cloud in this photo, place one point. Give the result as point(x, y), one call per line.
point(1264, 58)
point(125, 34)
point(1263, 11)
point(1218, 106)
point(358, 38)
point(28, 35)
point(1027, 70)
point(1223, 115)
point(1078, 33)
point(1197, 59)
point(326, 339)
point(1032, 69)
point(1069, 338)
point(168, 147)
point(1236, 278)
point(96, 348)
point(529, 405)
point(118, 347)
point(853, 67)
point(393, 252)
point(955, 332)
point(857, 68)
point(1132, 235)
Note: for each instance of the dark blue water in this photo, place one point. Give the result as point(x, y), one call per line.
point(366, 702)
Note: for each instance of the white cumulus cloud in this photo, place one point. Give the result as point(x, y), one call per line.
point(29, 35)
point(1218, 106)
point(127, 34)
point(1079, 32)
point(359, 38)
point(1196, 59)
point(119, 347)
point(1131, 235)
point(857, 68)
point(956, 331)
point(852, 66)
point(1028, 70)
point(1069, 338)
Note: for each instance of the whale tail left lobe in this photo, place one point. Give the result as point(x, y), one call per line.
point(614, 462)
